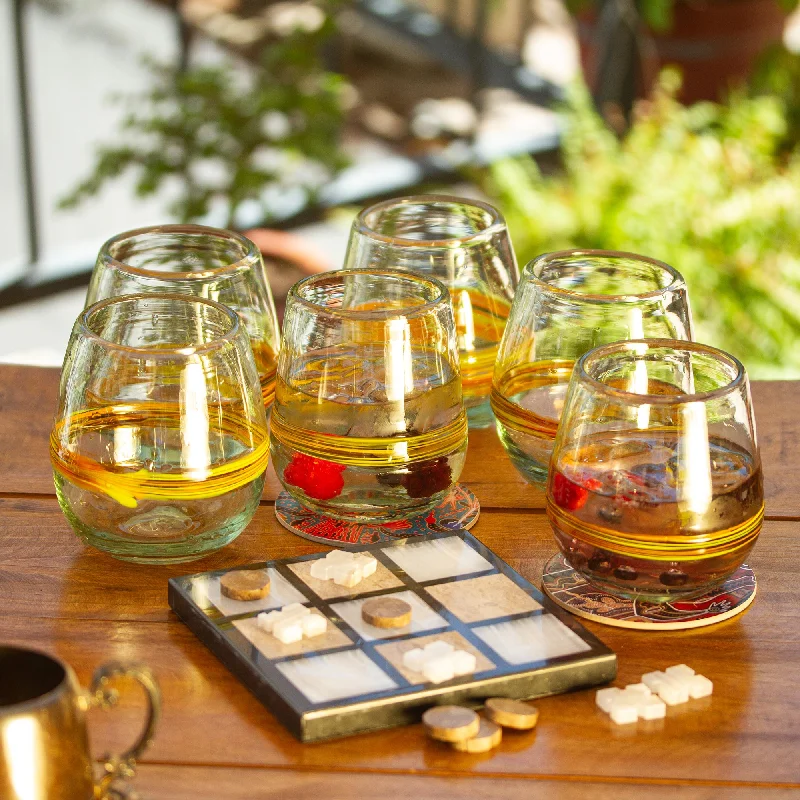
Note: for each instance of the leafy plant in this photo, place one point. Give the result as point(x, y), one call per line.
point(218, 138)
point(778, 74)
point(705, 188)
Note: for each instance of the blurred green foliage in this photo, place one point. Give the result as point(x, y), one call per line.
point(778, 74)
point(713, 190)
point(217, 136)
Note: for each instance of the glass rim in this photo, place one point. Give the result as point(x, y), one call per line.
point(677, 345)
point(677, 280)
point(250, 252)
point(496, 221)
point(375, 313)
point(170, 352)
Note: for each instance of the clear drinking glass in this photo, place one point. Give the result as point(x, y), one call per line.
point(202, 262)
point(655, 487)
point(368, 422)
point(160, 441)
point(463, 243)
point(567, 303)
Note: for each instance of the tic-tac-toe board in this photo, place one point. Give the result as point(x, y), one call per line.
point(352, 678)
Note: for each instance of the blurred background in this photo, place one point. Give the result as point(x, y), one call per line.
point(665, 127)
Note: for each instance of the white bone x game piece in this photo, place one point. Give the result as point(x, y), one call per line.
point(292, 623)
point(344, 568)
point(650, 698)
point(439, 661)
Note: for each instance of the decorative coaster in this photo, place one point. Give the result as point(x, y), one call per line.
point(573, 592)
point(458, 511)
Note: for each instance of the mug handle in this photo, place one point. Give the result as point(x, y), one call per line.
point(101, 695)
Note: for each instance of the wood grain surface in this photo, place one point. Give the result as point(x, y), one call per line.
point(234, 783)
point(215, 740)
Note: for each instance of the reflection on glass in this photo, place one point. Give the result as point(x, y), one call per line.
point(665, 509)
point(24, 757)
point(463, 243)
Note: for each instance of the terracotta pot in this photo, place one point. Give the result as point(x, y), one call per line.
point(287, 258)
point(291, 248)
point(714, 43)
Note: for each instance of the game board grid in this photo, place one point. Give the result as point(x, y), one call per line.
point(370, 647)
point(408, 584)
point(324, 606)
point(292, 696)
point(314, 600)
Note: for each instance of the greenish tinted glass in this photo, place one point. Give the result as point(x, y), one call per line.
point(160, 441)
point(195, 260)
point(368, 423)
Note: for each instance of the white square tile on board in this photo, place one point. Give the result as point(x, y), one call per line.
point(281, 593)
point(423, 618)
point(337, 675)
point(437, 558)
point(538, 638)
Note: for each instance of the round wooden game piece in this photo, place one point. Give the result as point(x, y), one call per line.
point(487, 738)
point(451, 723)
point(386, 612)
point(511, 713)
point(245, 584)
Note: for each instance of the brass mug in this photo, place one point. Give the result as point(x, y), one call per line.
point(44, 747)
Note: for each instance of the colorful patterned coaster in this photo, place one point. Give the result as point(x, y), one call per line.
point(573, 592)
point(458, 511)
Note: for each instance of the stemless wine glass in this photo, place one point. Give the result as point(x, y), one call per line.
point(202, 262)
point(368, 422)
point(567, 303)
point(463, 243)
point(655, 487)
point(160, 441)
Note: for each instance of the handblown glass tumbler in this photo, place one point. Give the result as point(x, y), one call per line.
point(655, 487)
point(567, 303)
point(160, 442)
point(202, 262)
point(463, 243)
point(368, 422)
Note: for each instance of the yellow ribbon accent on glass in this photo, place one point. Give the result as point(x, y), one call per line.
point(523, 378)
point(658, 547)
point(129, 487)
point(357, 451)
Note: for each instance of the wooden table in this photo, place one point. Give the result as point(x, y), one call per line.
point(217, 741)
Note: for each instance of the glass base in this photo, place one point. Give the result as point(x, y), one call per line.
point(533, 468)
point(162, 533)
point(366, 494)
point(357, 506)
point(480, 416)
point(642, 579)
point(458, 511)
